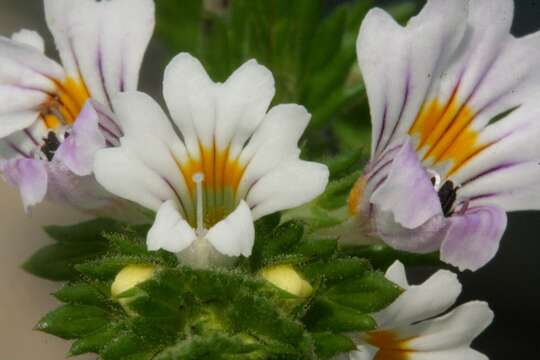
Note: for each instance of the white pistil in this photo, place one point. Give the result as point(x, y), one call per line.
point(198, 179)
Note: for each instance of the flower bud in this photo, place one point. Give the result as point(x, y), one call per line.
point(287, 278)
point(131, 276)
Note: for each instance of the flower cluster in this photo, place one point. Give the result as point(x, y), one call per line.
point(453, 101)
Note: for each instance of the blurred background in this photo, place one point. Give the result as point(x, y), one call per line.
point(509, 283)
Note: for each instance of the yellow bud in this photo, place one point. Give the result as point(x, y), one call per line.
point(131, 276)
point(287, 278)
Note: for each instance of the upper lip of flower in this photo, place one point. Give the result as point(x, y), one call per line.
point(249, 158)
point(463, 90)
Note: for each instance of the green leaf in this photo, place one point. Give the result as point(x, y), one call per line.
point(336, 270)
point(57, 261)
point(370, 293)
point(329, 345)
point(80, 293)
point(215, 346)
point(325, 315)
point(74, 321)
point(108, 267)
point(346, 163)
point(337, 192)
point(382, 256)
point(94, 342)
point(283, 238)
point(317, 248)
point(89, 231)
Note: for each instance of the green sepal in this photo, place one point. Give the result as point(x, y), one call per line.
point(81, 293)
point(382, 256)
point(57, 261)
point(325, 315)
point(329, 345)
point(74, 321)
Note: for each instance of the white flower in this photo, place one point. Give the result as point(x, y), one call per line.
point(409, 329)
point(49, 128)
point(233, 164)
point(454, 106)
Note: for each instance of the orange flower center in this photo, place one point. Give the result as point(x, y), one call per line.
point(389, 345)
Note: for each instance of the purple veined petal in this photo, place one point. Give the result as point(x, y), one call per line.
point(408, 192)
point(473, 238)
point(81, 192)
point(423, 239)
point(78, 150)
point(29, 176)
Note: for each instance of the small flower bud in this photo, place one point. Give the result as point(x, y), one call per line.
point(287, 278)
point(131, 276)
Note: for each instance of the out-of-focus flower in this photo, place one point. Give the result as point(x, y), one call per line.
point(234, 164)
point(53, 118)
point(409, 330)
point(454, 107)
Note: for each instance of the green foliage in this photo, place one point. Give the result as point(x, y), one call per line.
point(185, 313)
point(310, 51)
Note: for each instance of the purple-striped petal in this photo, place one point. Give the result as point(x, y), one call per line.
point(29, 176)
point(408, 192)
point(473, 238)
point(78, 150)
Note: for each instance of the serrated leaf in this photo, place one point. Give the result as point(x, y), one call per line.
point(283, 238)
point(108, 267)
point(337, 269)
point(316, 248)
point(95, 342)
point(89, 231)
point(325, 315)
point(337, 192)
point(80, 293)
point(57, 261)
point(370, 293)
point(74, 321)
point(329, 344)
point(215, 346)
point(382, 256)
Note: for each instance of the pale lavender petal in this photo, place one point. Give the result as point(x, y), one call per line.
point(423, 239)
point(408, 192)
point(29, 176)
point(78, 150)
point(473, 238)
point(82, 192)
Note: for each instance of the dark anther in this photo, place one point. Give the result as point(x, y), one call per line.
point(447, 197)
point(51, 145)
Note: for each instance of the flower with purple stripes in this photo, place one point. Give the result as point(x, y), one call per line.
point(454, 107)
point(53, 118)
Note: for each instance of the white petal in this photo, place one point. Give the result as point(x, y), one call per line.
point(170, 231)
point(150, 136)
point(293, 183)
point(274, 141)
point(241, 105)
point(234, 235)
point(104, 42)
point(125, 175)
point(456, 329)
point(190, 97)
point(31, 38)
point(25, 65)
point(506, 174)
point(12, 122)
point(396, 274)
point(420, 302)
point(463, 353)
point(399, 64)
